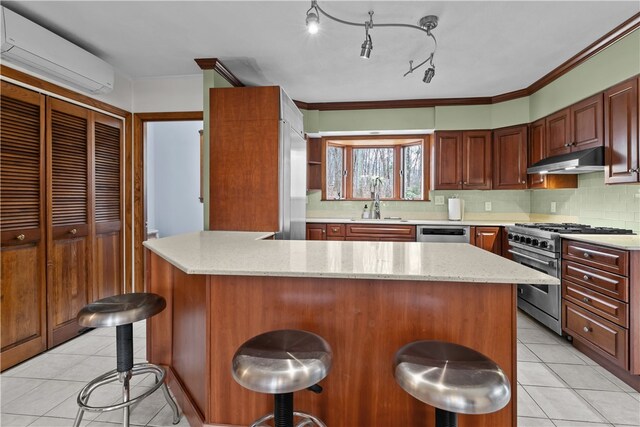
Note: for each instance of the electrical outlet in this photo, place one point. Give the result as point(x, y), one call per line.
point(439, 200)
point(487, 206)
point(553, 207)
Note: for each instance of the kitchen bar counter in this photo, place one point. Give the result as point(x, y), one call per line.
point(239, 253)
point(367, 299)
point(629, 242)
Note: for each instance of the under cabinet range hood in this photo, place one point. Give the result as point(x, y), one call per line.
point(584, 161)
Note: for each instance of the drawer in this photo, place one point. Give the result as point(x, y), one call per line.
point(608, 259)
point(609, 284)
point(604, 306)
point(377, 231)
point(604, 337)
point(335, 230)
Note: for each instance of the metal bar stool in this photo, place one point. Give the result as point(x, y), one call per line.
point(280, 363)
point(121, 311)
point(452, 378)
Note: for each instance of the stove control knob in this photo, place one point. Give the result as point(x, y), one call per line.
point(543, 245)
point(535, 242)
point(516, 238)
point(527, 240)
point(510, 236)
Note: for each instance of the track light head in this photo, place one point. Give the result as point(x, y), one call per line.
point(313, 19)
point(367, 45)
point(428, 75)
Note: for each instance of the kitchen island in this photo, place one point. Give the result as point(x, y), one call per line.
point(367, 299)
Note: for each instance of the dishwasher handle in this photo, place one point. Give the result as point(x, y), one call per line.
point(435, 231)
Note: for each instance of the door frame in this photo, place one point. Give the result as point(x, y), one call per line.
point(139, 138)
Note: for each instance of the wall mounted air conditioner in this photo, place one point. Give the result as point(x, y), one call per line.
point(38, 49)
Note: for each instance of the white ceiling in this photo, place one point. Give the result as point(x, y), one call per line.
point(485, 48)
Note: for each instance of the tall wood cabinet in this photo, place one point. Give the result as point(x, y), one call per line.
point(61, 208)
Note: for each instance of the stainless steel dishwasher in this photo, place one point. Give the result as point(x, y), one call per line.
point(444, 233)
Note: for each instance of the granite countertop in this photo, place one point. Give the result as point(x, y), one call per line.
point(411, 221)
point(629, 242)
point(243, 253)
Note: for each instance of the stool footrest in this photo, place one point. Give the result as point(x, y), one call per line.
point(305, 420)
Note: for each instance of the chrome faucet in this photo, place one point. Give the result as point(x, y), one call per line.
point(376, 197)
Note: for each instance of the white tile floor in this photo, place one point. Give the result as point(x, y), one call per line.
point(558, 386)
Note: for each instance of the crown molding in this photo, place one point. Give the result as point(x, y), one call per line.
point(217, 65)
point(594, 48)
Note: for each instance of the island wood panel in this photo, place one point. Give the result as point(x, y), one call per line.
point(365, 322)
point(159, 280)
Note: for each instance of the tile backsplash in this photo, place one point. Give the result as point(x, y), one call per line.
point(592, 203)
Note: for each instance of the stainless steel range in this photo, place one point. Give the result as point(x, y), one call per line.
point(538, 246)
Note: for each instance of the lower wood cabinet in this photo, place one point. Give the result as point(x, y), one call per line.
point(361, 232)
point(487, 238)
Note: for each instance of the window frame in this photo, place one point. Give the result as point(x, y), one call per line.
point(348, 143)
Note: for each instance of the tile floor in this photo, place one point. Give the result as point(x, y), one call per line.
point(557, 385)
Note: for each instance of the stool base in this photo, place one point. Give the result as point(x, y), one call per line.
point(446, 418)
point(124, 378)
point(306, 420)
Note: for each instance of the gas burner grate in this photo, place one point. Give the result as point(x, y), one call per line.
point(571, 228)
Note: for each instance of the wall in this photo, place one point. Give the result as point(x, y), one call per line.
point(593, 203)
point(162, 94)
point(173, 180)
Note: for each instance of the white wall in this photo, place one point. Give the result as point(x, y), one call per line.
point(173, 177)
point(162, 94)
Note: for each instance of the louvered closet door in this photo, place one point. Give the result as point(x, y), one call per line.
point(108, 213)
point(23, 300)
point(69, 242)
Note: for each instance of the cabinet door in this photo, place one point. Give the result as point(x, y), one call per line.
point(488, 238)
point(586, 124)
point(22, 254)
point(476, 160)
point(537, 151)
point(316, 232)
point(448, 161)
point(69, 238)
point(510, 158)
point(108, 212)
point(558, 133)
point(621, 133)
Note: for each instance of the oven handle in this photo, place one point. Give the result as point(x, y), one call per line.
point(549, 263)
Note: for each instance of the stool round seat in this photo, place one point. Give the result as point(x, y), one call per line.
point(451, 377)
point(283, 361)
point(120, 310)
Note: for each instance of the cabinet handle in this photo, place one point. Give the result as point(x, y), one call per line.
point(585, 299)
point(335, 230)
point(460, 183)
point(20, 237)
point(586, 255)
point(574, 144)
point(323, 231)
point(465, 183)
point(73, 231)
point(585, 277)
point(567, 145)
point(586, 329)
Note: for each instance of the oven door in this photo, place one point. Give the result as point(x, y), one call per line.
point(543, 297)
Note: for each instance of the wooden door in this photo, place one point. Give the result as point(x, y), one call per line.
point(448, 161)
point(108, 211)
point(489, 239)
point(476, 160)
point(587, 124)
point(558, 133)
point(621, 133)
point(510, 158)
point(317, 232)
point(537, 151)
point(69, 253)
point(22, 250)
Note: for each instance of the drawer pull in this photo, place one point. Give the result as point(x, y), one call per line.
point(20, 237)
point(73, 231)
point(585, 299)
point(586, 255)
point(585, 277)
point(586, 329)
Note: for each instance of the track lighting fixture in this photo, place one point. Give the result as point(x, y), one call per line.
point(426, 24)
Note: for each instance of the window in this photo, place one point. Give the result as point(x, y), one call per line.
point(355, 168)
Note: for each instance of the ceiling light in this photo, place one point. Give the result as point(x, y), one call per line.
point(426, 24)
point(313, 19)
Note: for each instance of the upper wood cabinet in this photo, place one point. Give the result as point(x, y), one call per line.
point(22, 222)
point(622, 164)
point(537, 152)
point(463, 160)
point(510, 158)
point(575, 128)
